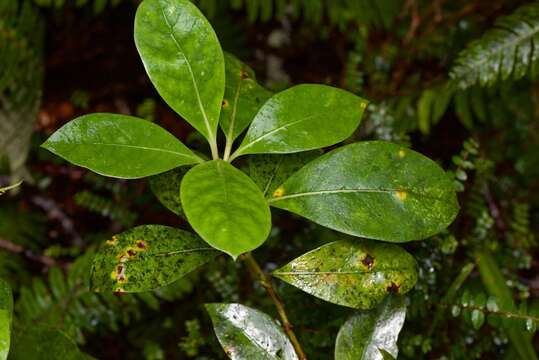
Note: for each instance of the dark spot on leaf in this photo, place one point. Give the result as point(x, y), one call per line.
point(131, 252)
point(225, 103)
point(120, 268)
point(244, 75)
point(393, 288)
point(141, 244)
point(368, 261)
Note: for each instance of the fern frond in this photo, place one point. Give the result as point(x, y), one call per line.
point(508, 51)
point(105, 207)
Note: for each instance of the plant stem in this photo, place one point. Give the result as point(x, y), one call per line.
point(214, 149)
point(265, 281)
point(228, 149)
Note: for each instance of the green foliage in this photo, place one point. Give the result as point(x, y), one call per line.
point(98, 6)
point(105, 207)
point(358, 274)
point(6, 313)
point(235, 325)
point(373, 334)
point(507, 51)
point(339, 13)
point(225, 207)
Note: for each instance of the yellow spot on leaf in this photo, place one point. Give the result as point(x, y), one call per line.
point(113, 241)
point(225, 103)
point(113, 275)
point(363, 105)
point(278, 193)
point(402, 153)
point(401, 195)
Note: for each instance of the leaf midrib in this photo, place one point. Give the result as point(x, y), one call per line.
point(128, 146)
point(345, 191)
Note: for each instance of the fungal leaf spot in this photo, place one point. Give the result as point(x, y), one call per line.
point(278, 193)
point(368, 261)
point(401, 195)
point(402, 153)
point(225, 104)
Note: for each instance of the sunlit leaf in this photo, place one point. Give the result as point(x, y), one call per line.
point(225, 207)
point(6, 310)
point(373, 189)
point(248, 334)
point(304, 117)
point(184, 60)
point(355, 273)
point(119, 146)
point(372, 335)
point(147, 257)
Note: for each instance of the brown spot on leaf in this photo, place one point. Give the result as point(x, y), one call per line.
point(131, 252)
point(225, 103)
point(244, 75)
point(141, 244)
point(368, 261)
point(393, 288)
point(278, 193)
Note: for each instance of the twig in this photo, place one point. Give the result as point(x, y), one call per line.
point(18, 249)
point(266, 283)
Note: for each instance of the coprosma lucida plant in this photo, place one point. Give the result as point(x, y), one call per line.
point(369, 190)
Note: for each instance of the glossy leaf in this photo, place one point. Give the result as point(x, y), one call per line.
point(225, 207)
point(372, 335)
point(269, 171)
point(301, 118)
point(119, 146)
point(247, 334)
point(355, 273)
point(6, 311)
point(243, 97)
point(43, 342)
point(373, 189)
point(183, 59)
point(147, 257)
point(166, 187)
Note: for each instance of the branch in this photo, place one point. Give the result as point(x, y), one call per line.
point(265, 281)
point(17, 249)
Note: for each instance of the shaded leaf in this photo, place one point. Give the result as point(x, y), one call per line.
point(119, 146)
point(225, 207)
point(304, 117)
point(166, 187)
point(183, 59)
point(147, 257)
point(355, 273)
point(43, 342)
point(372, 335)
point(269, 171)
point(372, 189)
point(6, 313)
point(243, 97)
point(507, 51)
point(247, 334)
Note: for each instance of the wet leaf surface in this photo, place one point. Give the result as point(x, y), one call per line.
point(6, 311)
point(269, 171)
point(225, 207)
point(184, 60)
point(373, 189)
point(119, 146)
point(354, 273)
point(372, 335)
point(43, 342)
point(166, 187)
point(304, 117)
point(248, 334)
point(147, 257)
point(243, 97)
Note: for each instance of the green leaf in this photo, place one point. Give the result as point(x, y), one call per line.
point(507, 51)
point(119, 146)
point(183, 59)
point(495, 284)
point(355, 273)
point(301, 118)
point(243, 97)
point(372, 189)
point(166, 187)
point(269, 171)
point(6, 312)
point(369, 335)
point(147, 257)
point(247, 334)
point(225, 207)
point(43, 342)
